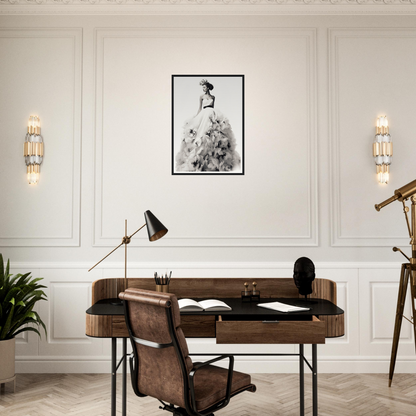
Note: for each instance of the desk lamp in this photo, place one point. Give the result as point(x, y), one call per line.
point(155, 230)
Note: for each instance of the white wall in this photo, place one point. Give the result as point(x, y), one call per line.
point(101, 85)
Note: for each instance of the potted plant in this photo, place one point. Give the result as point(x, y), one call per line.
point(18, 296)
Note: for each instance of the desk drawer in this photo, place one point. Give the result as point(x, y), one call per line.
point(198, 326)
point(119, 327)
point(281, 332)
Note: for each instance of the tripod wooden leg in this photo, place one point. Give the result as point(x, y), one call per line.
point(413, 292)
point(404, 279)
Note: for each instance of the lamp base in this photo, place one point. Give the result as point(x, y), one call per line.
point(115, 301)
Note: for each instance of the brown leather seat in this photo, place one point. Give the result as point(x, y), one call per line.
point(161, 365)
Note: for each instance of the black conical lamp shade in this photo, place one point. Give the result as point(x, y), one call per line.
point(155, 228)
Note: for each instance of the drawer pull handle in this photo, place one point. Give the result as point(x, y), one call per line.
point(270, 322)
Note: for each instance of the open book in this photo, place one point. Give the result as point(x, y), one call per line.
point(282, 307)
point(190, 305)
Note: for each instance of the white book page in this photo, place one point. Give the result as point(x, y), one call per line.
point(183, 303)
point(213, 303)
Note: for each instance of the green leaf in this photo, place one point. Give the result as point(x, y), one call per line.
point(3, 334)
point(27, 328)
point(1, 270)
point(11, 294)
point(6, 273)
point(19, 294)
point(23, 279)
point(41, 322)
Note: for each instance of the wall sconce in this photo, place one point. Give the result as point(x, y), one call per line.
point(33, 150)
point(382, 149)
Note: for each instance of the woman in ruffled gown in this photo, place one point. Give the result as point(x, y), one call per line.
point(208, 143)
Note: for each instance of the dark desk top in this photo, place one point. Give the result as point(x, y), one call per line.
point(240, 309)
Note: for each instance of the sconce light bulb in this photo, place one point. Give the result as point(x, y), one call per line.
point(33, 178)
point(383, 177)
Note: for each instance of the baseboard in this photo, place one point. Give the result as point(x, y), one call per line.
point(246, 364)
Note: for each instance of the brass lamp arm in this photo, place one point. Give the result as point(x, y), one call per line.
point(112, 251)
point(125, 240)
point(144, 225)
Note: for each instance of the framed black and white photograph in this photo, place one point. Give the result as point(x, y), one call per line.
point(208, 124)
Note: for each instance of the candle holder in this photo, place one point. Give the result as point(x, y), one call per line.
point(246, 294)
point(255, 296)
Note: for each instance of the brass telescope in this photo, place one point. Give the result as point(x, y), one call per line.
point(408, 270)
point(400, 194)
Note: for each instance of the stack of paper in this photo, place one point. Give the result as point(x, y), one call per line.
point(282, 307)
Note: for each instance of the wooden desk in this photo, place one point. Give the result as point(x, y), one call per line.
point(239, 326)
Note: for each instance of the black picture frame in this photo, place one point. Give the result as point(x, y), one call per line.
point(209, 141)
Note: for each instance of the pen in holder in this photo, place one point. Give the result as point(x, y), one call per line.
point(162, 283)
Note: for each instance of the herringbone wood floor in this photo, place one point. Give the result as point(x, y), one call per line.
point(277, 394)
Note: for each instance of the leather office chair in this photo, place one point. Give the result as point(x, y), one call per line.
point(160, 365)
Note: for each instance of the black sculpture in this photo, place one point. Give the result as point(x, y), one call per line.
point(304, 275)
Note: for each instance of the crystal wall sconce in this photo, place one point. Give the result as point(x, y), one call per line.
point(33, 150)
point(382, 149)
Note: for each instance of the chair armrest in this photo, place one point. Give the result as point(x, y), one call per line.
point(229, 379)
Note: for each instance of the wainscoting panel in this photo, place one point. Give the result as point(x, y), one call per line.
point(378, 300)
point(366, 293)
point(290, 220)
point(44, 63)
point(65, 326)
point(361, 91)
point(69, 296)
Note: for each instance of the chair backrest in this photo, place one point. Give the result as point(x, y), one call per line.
point(159, 345)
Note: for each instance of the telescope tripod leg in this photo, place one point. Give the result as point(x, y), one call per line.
point(404, 280)
point(413, 293)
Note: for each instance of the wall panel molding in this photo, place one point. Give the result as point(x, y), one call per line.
point(190, 7)
point(359, 351)
point(337, 183)
point(310, 238)
point(72, 238)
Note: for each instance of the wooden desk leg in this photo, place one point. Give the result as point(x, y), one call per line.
point(124, 377)
point(113, 375)
point(301, 381)
point(315, 379)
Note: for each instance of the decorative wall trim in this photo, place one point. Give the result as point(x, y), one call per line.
point(356, 352)
point(245, 364)
point(22, 266)
point(276, 3)
point(73, 238)
point(337, 239)
point(311, 200)
point(208, 7)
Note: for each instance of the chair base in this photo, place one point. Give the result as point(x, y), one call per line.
point(177, 411)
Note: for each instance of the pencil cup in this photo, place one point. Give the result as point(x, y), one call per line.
point(162, 288)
